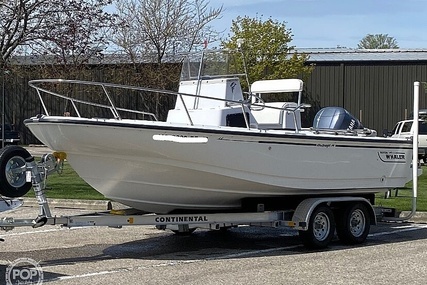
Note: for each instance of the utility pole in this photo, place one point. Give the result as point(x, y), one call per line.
point(2, 107)
point(3, 104)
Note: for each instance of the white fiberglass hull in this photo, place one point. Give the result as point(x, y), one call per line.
point(159, 167)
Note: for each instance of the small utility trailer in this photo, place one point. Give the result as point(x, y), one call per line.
point(317, 219)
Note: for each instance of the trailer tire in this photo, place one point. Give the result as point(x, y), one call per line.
point(353, 223)
point(13, 182)
point(321, 228)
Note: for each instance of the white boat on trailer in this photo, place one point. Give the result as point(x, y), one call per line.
point(217, 147)
point(219, 151)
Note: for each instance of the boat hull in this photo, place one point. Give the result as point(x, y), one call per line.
point(159, 167)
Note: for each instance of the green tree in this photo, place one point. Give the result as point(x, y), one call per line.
point(268, 54)
point(378, 41)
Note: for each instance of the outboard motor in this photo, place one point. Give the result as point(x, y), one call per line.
point(336, 118)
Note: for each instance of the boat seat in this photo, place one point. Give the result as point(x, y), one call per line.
point(268, 118)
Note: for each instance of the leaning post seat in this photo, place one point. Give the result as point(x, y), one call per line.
point(281, 115)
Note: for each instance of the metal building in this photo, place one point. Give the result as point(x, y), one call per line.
point(374, 85)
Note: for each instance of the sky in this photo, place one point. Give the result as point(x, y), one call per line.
point(333, 23)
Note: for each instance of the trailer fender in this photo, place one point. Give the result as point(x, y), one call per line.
point(302, 214)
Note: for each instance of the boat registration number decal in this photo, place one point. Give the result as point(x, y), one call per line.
point(392, 156)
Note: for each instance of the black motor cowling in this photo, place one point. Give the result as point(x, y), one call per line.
point(335, 118)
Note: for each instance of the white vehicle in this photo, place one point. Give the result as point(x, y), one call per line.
point(404, 129)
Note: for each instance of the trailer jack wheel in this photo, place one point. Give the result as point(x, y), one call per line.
point(13, 181)
point(321, 228)
point(353, 224)
point(40, 221)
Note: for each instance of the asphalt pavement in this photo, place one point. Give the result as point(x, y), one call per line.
point(394, 253)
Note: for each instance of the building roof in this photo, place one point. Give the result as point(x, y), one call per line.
point(315, 55)
point(347, 54)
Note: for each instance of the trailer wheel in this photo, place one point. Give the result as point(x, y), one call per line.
point(13, 172)
point(321, 228)
point(353, 224)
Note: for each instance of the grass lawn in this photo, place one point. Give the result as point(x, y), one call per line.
point(69, 185)
point(403, 201)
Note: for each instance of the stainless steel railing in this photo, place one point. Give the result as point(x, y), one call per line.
point(40, 86)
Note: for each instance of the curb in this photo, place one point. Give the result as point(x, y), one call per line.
point(419, 217)
point(100, 205)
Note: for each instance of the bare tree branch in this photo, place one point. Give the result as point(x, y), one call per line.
point(163, 26)
point(71, 30)
point(19, 19)
point(76, 32)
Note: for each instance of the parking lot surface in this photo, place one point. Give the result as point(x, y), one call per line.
point(393, 254)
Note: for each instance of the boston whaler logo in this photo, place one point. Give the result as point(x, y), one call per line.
point(392, 156)
point(233, 85)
